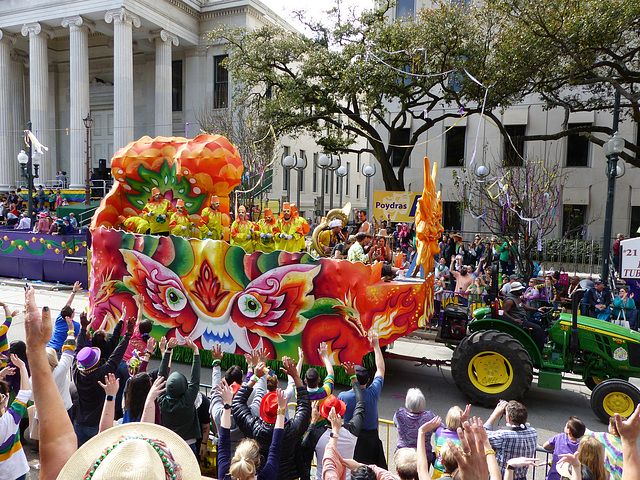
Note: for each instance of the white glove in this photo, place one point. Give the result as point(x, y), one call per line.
point(263, 236)
point(269, 235)
point(163, 216)
point(282, 235)
point(149, 214)
point(289, 237)
point(251, 230)
point(184, 228)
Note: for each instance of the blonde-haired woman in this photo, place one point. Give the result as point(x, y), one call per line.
point(246, 460)
point(591, 455)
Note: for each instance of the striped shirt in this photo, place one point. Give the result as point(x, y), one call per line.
point(13, 461)
point(4, 345)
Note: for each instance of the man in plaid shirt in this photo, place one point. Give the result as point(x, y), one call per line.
point(517, 439)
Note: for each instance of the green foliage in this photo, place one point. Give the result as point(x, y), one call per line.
point(348, 82)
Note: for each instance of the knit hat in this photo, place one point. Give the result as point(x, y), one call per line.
point(269, 407)
point(88, 358)
point(133, 451)
point(155, 191)
point(332, 402)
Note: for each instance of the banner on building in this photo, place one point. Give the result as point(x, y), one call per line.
point(396, 206)
point(630, 258)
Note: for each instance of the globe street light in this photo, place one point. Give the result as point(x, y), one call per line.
point(341, 173)
point(288, 163)
point(369, 171)
point(612, 149)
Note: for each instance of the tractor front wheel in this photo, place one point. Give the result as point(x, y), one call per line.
point(614, 396)
point(490, 365)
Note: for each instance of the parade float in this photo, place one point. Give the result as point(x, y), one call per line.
point(213, 292)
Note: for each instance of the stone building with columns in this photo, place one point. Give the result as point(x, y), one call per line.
point(139, 67)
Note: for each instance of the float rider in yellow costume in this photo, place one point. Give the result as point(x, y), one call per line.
point(132, 224)
point(156, 212)
point(302, 223)
point(242, 231)
point(211, 220)
point(181, 225)
point(265, 241)
point(329, 238)
point(288, 231)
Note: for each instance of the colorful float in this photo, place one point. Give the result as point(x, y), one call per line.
point(214, 292)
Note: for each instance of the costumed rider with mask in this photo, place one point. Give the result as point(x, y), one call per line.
point(181, 225)
point(515, 311)
point(329, 238)
point(156, 212)
point(211, 220)
point(288, 231)
point(242, 231)
point(265, 241)
point(303, 225)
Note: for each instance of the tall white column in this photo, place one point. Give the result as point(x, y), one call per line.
point(7, 156)
point(18, 105)
point(39, 92)
point(123, 22)
point(79, 98)
point(164, 117)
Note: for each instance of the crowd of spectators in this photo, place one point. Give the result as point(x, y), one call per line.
point(13, 212)
point(164, 427)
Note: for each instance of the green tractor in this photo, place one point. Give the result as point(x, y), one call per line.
point(496, 359)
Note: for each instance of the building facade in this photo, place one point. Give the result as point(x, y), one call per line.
point(138, 67)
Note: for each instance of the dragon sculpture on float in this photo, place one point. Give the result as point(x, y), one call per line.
point(213, 292)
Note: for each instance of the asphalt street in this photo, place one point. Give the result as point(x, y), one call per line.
point(548, 409)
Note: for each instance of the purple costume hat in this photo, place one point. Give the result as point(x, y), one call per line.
point(88, 358)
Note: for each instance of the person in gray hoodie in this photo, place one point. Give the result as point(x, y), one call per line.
point(177, 403)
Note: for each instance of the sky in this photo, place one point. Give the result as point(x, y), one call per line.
point(315, 9)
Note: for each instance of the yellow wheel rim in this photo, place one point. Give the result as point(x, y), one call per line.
point(618, 402)
point(490, 372)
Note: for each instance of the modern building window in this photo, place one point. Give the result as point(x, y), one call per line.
point(405, 8)
point(176, 86)
point(634, 223)
point(347, 179)
point(577, 148)
point(358, 164)
point(357, 192)
point(573, 221)
point(451, 216)
point(328, 177)
point(454, 148)
point(403, 137)
point(315, 173)
point(220, 83)
point(514, 146)
point(285, 171)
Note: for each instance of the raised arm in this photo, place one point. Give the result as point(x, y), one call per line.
point(375, 343)
point(323, 351)
point(149, 411)
point(166, 358)
point(194, 381)
point(423, 461)
point(57, 437)
point(357, 420)
point(76, 288)
point(629, 430)
point(110, 387)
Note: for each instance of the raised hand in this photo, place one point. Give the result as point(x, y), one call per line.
point(629, 429)
point(430, 426)
point(260, 369)
point(7, 371)
point(217, 353)
point(336, 421)
point(191, 344)
point(323, 350)
point(163, 345)
point(373, 339)
point(172, 343)
point(225, 392)
point(37, 325)
point(84, 321)
point(17, 361)
point(131, 325)
point(123, 315)
point(349, 368)
point(289, 367)
point(77, 287)
point(465, 415)
point(158, 387)
point(111, 384)
point(251, 358)
point(262, 355)
point(151, 345)
point(315, 412)
point(282, 398)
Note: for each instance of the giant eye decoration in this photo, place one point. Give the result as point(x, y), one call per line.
point(175, 299)
point(249, 306)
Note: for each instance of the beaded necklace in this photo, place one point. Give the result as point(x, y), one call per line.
point(172, 470)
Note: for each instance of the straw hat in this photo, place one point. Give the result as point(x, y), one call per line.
point(129, 452)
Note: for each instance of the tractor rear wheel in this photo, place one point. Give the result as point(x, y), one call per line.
point(614, 396)
point(490, 365)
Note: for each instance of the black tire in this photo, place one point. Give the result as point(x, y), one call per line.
point(614, 396)
point(501, 352)
point(592, 382)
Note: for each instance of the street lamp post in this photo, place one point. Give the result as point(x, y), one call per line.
point(612, 149)
point(300, 165)
point(323, 162)
point(288, 163)
point(26, 162)
point(341, 173)
point(369, 171)
point(331, 163)
point(88, 121)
